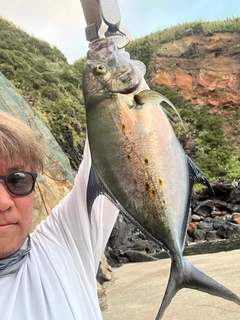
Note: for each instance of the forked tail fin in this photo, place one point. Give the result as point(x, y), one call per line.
point(190, 277)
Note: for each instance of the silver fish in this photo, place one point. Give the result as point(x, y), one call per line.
point(138, 162)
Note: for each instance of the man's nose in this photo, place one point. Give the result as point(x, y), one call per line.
point(6, 201)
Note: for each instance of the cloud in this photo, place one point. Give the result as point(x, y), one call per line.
point(59, 22)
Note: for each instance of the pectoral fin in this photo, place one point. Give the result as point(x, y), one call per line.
point(168, 114)
point(156, 97)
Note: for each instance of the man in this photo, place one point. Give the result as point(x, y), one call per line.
point(49, 274)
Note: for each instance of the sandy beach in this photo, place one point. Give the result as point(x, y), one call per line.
point(136, 291)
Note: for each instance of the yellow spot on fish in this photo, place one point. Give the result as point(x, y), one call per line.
point(128, 157)
point(163, 202)
point(146, 162)
point(154, 193)
point(123, 126)
point(147, 186)
point(160, 182)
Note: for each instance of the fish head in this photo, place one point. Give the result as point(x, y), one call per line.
point(108, 71)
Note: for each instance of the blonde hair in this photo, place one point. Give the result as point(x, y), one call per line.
point(18, 143)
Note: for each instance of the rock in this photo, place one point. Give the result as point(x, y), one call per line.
point(236, 208)
point(135, 256)
point(215, 213)
point(227, 217)
point(191, 227)
point(119, 233)
point(229, 231)
point(211, 235)
point(205, 226)
point(224, 213)
point(235, 195)
point(188, 240)
point(237, 220)
point(114, 257)
point(199, 234)
point(222, 189)
point(221, 205)
point(102, 298)
point(218, 223)
point(213, 83)
point(204, 208)
point(142, 236)
point(139, 245)
point(208, 220)
point(196, 217)
point(221, 220)
point(235, 215)
point(104, 271)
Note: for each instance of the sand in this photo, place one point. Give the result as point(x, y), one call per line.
point(137, 290)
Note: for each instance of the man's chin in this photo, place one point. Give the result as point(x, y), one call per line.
point(6, 251)
point(6, 254)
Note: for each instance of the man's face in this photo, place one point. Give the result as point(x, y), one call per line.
point(15, 213)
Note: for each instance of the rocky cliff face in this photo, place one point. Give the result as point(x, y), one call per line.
point(204, 69)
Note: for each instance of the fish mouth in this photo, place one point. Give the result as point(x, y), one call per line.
point(130, 90)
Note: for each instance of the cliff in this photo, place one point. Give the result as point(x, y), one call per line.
point(204, 69)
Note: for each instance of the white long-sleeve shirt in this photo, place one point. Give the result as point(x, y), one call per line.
point(57, 281)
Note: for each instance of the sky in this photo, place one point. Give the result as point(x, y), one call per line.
point(61, 22)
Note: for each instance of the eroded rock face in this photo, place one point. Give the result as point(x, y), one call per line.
point(57, 178)
point(204, 69)
point(48, 193)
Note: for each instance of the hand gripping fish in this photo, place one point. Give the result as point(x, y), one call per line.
point(138, 162)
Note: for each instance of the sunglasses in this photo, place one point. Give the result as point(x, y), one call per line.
point(20, 183)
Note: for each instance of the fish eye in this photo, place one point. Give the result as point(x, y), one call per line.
point(100, 69)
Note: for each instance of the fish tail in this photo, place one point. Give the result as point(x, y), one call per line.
point(187, 276)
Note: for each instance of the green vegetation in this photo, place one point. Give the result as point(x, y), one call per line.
point(43, 76)
point(212, 151)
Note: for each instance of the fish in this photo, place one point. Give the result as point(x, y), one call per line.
point(138, 162)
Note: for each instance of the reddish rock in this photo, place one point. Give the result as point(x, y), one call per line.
point(224, 213)
point(191, 227)
point(237, 220)
point(165, 79)
point(219, 204)
point(204, 69)
point(183, 79)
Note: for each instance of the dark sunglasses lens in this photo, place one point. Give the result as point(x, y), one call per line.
point(20, 183)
